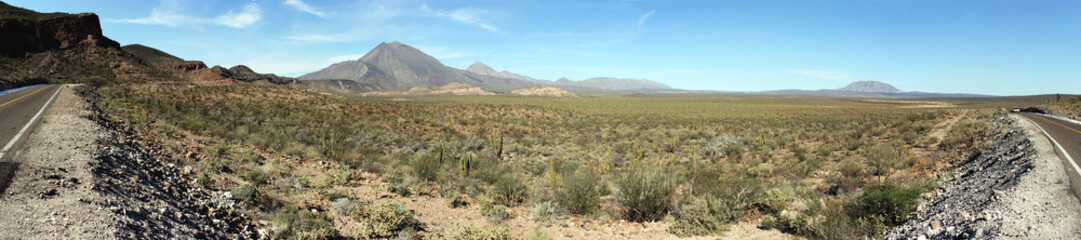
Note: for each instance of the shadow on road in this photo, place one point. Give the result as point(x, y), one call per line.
point(7, 173)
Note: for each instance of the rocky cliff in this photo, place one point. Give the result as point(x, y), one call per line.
point(61, 47)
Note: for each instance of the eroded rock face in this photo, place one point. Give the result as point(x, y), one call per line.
point(35, 34)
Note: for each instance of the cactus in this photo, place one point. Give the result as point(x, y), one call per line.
point(497, 149)
point(466, 163)
point(441, 148)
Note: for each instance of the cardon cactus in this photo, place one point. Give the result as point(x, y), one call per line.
point(467, 163)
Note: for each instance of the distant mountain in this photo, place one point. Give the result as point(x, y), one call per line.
point(870, 87)
point(597, 84)
point(614, 84)
point(396, 66)
point(480, 68)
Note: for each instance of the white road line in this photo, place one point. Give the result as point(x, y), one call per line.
point(27, 126)
point(1063, 150)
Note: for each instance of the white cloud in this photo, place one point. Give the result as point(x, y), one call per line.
point(824, 74)
point(246, 17)
point(644, 17)
point(462, 15)
point(167, 14)
point(304, 7)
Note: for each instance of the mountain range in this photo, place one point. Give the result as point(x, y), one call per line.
point(70, 48)
point(395, 67)
point(868, 89)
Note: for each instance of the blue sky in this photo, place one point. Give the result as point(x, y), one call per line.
point(1001, 47)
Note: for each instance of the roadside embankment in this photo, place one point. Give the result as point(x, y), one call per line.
point(81, 177)
point(1013, 189)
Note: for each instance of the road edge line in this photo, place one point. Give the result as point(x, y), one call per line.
point(1062, 150)
point(28, 124)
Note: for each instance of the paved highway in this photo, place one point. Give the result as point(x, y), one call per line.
point(18, 111)
point(1066, 136)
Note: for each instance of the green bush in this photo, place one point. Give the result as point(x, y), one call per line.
point(545, 212)
point(580, 193)
point(890, 201)
point(300, 224)
point(494, 211)
point(646, 195)
point(697, 218)
point(510, 190)
point(426, 168)
point(247, 194)
point(256, 177)
point(469, 232)
point(383, 220)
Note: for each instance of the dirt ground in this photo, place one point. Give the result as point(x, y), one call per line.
point(50, 196)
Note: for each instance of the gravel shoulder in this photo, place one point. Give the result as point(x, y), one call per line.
point(82, 177)
point(50, 196)
point(1015, 189)
point(1041, 206)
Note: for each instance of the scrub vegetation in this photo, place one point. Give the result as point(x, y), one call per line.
point(808, 166)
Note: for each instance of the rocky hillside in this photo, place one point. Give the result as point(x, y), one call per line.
point(63, 47)
point(197, 71)
point(396, 66)
point(543, 91)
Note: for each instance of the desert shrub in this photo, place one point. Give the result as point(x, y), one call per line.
point(545, 212)
point(777, 199)
point(220, 151)
point(383, 220)
point(837, 224)
point(510, 189)
point(580, 193)
point(646, 195)
point(299, 224)
point(252, 156)
point(890, 201)
point(885, 157)
point(469, 232)
point(699, 217)
point(256, 177)
point(96, 82)
point(426, 167)
point(494, 211)
point(246, 193)
point(456, 200)
point(344, 205)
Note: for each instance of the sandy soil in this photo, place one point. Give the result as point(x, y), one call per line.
point(51, 196)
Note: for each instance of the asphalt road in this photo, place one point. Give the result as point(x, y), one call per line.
point(16, 111)
point(1067, 136)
